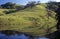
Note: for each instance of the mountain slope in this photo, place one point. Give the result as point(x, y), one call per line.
point(32, 21)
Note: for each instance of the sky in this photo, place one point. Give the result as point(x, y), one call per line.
point(23, 2)
point(57, 0)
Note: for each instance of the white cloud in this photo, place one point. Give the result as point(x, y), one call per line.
point(57, 0)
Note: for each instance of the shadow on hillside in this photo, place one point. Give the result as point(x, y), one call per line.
point(10, 32)
point(10, 11)
point(56, 34)
point(58, 18)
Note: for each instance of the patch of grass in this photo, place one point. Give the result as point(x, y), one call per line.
point(31, 21)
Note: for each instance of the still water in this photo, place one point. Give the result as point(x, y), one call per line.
point(22, 36)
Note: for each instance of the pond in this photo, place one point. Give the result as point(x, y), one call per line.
point(21, 36)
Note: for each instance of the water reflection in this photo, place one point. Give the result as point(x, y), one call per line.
point(22, 36)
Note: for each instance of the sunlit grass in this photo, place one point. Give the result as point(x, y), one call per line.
point(29, 20)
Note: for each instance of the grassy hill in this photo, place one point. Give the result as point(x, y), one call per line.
point(31, 21)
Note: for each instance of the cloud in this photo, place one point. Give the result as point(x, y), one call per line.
point(57, 0)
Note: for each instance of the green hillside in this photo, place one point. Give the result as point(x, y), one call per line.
point(31, 21)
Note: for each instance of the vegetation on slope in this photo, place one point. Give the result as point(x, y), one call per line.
point(32, 21)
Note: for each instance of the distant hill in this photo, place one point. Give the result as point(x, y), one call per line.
point(10, 5)
point(33, 21)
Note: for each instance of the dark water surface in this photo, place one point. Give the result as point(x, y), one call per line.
point(22, 36)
